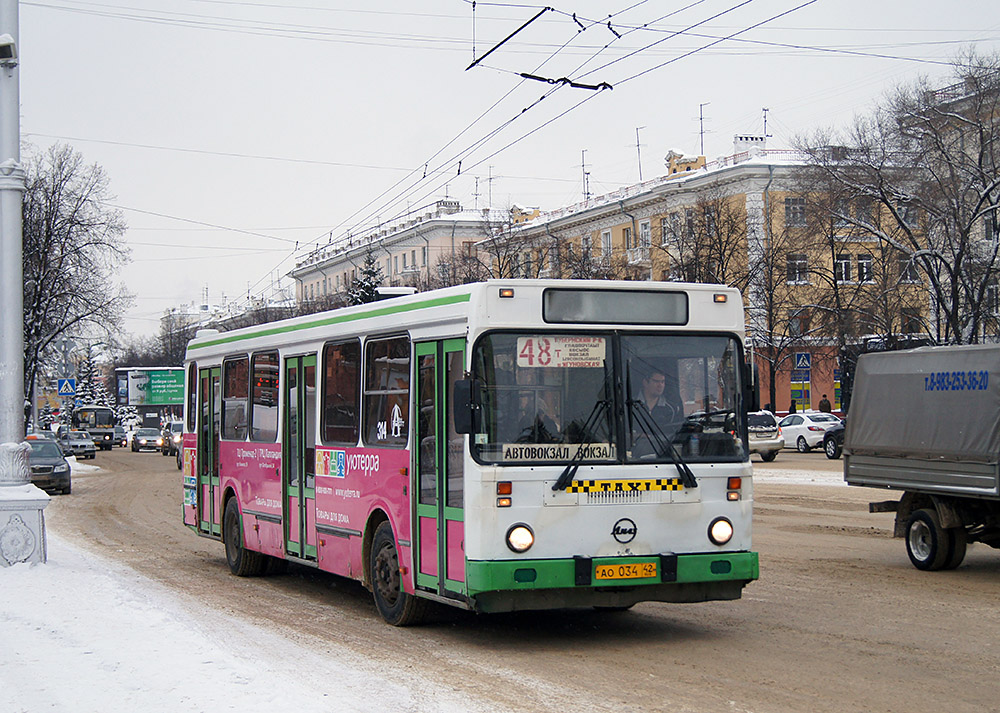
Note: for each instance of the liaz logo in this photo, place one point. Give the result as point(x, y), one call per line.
point(624, 530)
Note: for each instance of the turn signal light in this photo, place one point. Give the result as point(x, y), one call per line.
point(506, 292)
point(504, 488)
point(503, 502)
point(734, 483)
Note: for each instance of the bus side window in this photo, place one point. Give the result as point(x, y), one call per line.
point(387, 390)
point(340, 390)
point(236, 389)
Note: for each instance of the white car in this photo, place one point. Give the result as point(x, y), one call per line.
point(804, 431)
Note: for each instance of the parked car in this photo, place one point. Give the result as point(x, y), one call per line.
point(766, 438)
point(171, 435)
point(50, 470)
point(78, 443)
point(806, 430)
point(833, 440)
point(146, 439)
point(121, 438)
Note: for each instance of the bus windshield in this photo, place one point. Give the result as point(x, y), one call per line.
point(619, 397)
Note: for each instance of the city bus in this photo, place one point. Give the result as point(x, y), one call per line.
point(98, 421)
point(493, 446)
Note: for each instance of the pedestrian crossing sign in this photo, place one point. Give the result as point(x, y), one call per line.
point(803, 360)
point(66, 387)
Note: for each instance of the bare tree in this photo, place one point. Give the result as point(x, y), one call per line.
point(706, 242)
point(926, 162)
point(73, 245)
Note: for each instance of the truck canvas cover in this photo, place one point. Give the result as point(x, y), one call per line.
point(932, 403)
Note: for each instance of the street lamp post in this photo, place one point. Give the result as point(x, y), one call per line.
point(22, 526)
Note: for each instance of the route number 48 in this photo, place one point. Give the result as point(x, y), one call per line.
point(535, 352)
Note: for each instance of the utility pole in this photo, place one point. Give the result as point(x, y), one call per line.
point(22, 527)
point(638, 152)
point(586, 175)
point(765, 110)
point(701, 125)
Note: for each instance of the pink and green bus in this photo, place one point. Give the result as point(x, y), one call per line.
point(499, 446)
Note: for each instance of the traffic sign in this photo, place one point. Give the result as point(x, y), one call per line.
point(803, 360)
point(66, 387)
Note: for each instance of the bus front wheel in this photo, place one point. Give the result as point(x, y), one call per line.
point(396, 606)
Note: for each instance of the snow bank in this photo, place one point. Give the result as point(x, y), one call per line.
point(82, 634)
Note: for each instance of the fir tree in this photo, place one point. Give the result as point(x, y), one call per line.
point(369, 277)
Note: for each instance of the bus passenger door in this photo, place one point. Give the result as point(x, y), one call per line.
point(209, 422)
point(299, 461)
point(439, 476)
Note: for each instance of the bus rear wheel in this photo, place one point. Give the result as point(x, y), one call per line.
point(396, 606)
point(242, 562)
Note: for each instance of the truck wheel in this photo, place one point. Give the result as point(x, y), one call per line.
point(927, 543)
point(396, 606)
point(801, 445)
point(768, 456)
point(832, 449)
point(959, 541)
point(242, 562)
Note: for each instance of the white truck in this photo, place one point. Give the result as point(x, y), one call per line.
point(926, 422)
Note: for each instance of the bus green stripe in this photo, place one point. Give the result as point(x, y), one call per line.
point(336, 319)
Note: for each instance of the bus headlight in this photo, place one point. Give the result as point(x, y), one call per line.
point(520, 538)
point(720, 531)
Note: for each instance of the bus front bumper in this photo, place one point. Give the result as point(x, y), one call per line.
point(510, 585)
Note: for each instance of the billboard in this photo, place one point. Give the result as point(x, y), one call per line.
point(151, 387)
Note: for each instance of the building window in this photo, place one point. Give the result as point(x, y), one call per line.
point(798, 323)
point(795, 212)
point(711, 222)
point(842, 268)
point(797, 268)
point(645, 234)
point(912, 321)
point(395, 264)
point(864, 268)
point(413, 258)
point(990, 231)
point(841, 214)
point(606, 243)
point(585, 245)
point(910, 216)
point(423, 255)
point(908, 270)
point(627, 237)
point(404, 262)
point(689, 223)
point(992, 299)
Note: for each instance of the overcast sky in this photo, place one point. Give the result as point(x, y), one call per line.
point(233, 132)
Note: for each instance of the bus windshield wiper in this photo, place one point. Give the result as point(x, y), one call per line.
point(663, 444)
point(569, 472)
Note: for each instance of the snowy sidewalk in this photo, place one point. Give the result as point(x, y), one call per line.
point(81, 634)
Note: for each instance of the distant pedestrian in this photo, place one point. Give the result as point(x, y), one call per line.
point(791, 409)
point(824, 404)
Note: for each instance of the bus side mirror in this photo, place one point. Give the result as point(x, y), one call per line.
point(751, 387)
point(466, 410)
